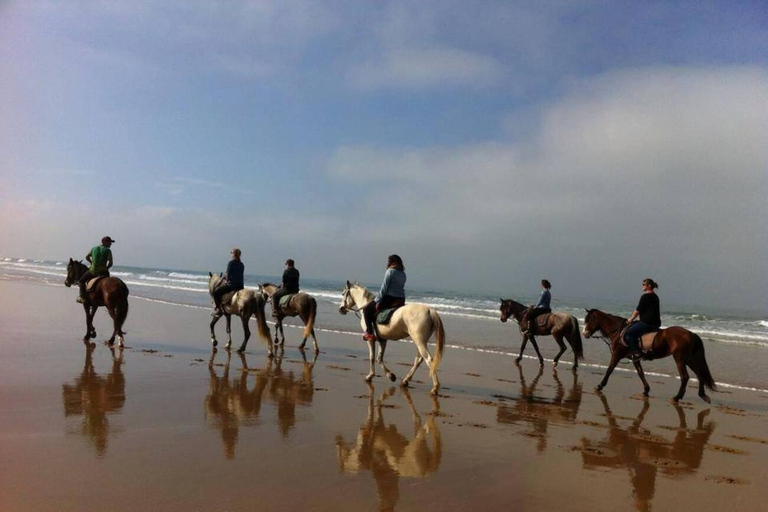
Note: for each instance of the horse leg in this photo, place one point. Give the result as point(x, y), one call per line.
point(388, 373)
point(694, 364)
point(282, 334)
point(88, 326)
point(416, 363)
point(536, 348)
point(641, 373)
point(229, 332)
point(314, 341)
point(278, 324)
point(522, 348)
point(559, 339)
point(113, 315)
point(246, 332)
point(371, 357)
point(683, 377)
point(421, 346)
point(213, 333)
point(614, 361)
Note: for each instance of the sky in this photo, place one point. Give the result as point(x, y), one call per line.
point(490, 144)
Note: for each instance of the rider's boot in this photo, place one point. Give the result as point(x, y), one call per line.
point(81, 298)
point(275, 313)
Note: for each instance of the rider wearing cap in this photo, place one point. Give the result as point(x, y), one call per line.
point(100, 258)
point(234, 280)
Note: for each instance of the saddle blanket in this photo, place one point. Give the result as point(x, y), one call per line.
point(285, 299)
point(646, 340)
point(385, 315)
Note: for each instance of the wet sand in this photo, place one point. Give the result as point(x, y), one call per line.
point(167, 424)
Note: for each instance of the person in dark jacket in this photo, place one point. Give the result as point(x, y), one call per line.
point(290, 285)
point(234, 280)
point(649, 312)
point(542, 306)
point(391, 295)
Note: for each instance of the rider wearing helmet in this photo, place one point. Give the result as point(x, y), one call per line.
point(649, 311)
point(528, 323)
point(391, 295)
point(290, 285)
point(234, 280)
point(100, 258)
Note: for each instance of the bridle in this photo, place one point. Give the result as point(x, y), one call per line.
point(345, 296)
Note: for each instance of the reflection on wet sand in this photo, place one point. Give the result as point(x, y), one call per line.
point(231, 404)
point(387, 453)
point(643, 453)
point(93, 396)
point(538, 412)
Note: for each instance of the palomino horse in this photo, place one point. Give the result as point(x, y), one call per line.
point(244, 304)
point(558, 325)
point(415, 320)
point(684, 346)
point(109, 292)
point(300, 304)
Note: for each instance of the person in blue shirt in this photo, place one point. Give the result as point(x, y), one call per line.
point(391, 295)
point(234, 280)
point(528, 322)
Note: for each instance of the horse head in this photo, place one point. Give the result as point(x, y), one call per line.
point(347, 302)
point(591, 324)
point(506, 309)
point(75, 269)
point(213, 281)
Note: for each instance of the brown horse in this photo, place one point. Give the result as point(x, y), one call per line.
point(300, 304)
point(684, 346)
point(558, 325)
point(109, 292)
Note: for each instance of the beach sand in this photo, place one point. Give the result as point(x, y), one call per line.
point(167, 424)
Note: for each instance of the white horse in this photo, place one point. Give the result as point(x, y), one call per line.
point(418, 321)
point(244, 303)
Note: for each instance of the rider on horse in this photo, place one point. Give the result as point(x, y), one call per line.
point(649, 311)
point(290, 285)
point(528, 323)
point(391, 295)
point(234, 281)
point(100, 258)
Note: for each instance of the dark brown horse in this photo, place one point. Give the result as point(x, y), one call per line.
point(109, 292)
point(558, 325)
point(684, 346)
point(300, 304)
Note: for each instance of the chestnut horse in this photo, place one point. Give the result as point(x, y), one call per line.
point(109, 292)
point(684, 346)
point(558, 325)
point(302, 305)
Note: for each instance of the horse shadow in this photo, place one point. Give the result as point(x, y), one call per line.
point(537, 412)
point(236, 401)
point(94, 397)
point(388, 454)
point(644, 454)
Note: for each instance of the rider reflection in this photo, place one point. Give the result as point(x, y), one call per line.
point(387, 453)
point(643, 453)
point(232, 403)
point(94, 396)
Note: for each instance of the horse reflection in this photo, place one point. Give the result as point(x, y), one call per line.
point(643, 453)
point(93, 396)
point(232, 403)
point(537, 411)
point(387, 453)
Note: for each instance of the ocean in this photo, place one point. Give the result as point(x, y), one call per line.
point(736, 342)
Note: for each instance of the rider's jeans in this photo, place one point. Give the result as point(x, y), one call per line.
point(635, 331)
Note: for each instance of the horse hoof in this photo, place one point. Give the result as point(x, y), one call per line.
point(368, 378)
point(404, 384)
point(433, 392)
point(645, 394)
point(706, 399)
point(392, 377)
point(599, 388)
point(271, 355)
point(675, 399)
point(214, 343)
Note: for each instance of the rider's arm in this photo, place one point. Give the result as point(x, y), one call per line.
point(632, 318)
point(385, 285)
point(109, 260)
point(88, 258)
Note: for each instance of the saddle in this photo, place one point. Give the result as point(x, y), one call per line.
point(227, 297)
point(646, 340)
point(285, 299)
point(91, 284)
point(385, 315)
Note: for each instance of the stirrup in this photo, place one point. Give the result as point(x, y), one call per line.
point(80, 300)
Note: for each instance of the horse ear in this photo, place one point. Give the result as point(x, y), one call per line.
point(349, 285)
point(221, 274)
point(70, 260)
point(210, 275)
point(501, 300)
point(587, 310)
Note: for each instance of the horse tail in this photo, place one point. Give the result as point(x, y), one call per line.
point(575, 339)
point(698, 363)
point(311, 320)
point(261, 320)
point(121, 313)
point(440, 341)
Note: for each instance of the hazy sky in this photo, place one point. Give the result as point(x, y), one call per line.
point(488, 143)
